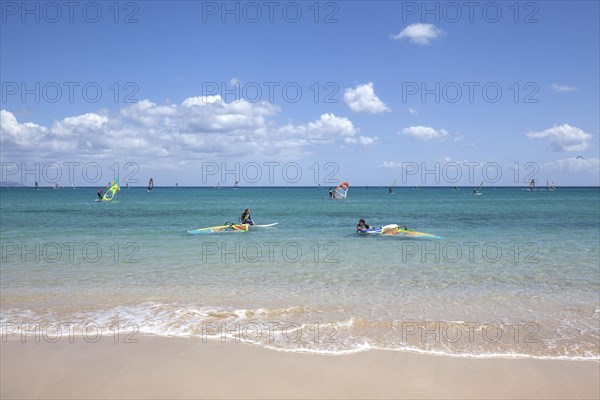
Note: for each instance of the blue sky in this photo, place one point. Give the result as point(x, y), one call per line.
point(388, 91)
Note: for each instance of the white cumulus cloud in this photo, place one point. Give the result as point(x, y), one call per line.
point(419, 33)
point(362, 140)
point(563, 88)
point(363, 99)
point(391, 164)
point(424, 132)
point(198, 128)
point(13, 132)
point(564, 137)
point(367, 140)
point(329, 125)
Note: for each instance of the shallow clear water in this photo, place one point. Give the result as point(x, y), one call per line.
point(515, 274)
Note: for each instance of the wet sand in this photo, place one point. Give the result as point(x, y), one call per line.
point(164, 367)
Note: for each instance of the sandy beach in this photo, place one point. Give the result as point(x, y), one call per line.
point(160, 367)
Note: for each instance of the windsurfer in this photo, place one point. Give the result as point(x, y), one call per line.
point(246, 218)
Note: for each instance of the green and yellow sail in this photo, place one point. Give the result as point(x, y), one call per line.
point(112, 191)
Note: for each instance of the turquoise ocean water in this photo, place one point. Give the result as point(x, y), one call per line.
point(516, 274)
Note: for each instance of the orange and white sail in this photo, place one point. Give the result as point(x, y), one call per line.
point(341, 191)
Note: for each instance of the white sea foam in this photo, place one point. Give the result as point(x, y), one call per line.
point(299, 329)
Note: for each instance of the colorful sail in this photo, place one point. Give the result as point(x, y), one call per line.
point(341, 191)
point(228, 227)
point(395, 230)
point(112, 191)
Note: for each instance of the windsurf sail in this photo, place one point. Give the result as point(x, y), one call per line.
point(391, 190)
point(228, 227)
point(404, 232)
point(478, 190)
point(553, 187)
point(532, 184)
point(112, 191)
point(396, 230)
point(341, 191)
point(150, 184)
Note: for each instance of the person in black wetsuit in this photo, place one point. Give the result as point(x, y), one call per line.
point(362, 225)
point(246, 218)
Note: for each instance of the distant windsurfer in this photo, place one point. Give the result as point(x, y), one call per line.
point(246, 218)
point(390, 190)
point(331, 193)
point(36, 186)
point(100, 193)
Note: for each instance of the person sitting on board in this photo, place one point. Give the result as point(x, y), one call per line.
point(362, 225)
point(100, 193)
point(246, 218)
